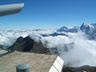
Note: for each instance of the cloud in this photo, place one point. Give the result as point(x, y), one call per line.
point(8, 37)
point(75, 49)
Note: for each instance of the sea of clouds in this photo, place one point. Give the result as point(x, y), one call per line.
point(75, 49)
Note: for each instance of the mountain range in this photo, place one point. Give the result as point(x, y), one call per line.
point(88, 29)
point(63, 42)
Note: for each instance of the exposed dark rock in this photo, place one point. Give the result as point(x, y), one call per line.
point(27, 44)
point(54, 34)
point(85, 68)
point(22, 44)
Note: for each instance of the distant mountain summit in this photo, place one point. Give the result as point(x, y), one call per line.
point(89, 30)
point(68, 29)
point(86, 27)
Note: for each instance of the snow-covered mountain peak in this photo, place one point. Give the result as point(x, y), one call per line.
point(68, 29)
point(87, 25)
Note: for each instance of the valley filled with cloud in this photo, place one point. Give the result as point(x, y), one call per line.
point(75, 45)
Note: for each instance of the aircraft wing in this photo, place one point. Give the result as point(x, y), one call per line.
point(10, 9)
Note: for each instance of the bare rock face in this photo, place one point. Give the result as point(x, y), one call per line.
point(27, 44)
point(85, 68)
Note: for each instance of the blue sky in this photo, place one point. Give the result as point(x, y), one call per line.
point(50, 14)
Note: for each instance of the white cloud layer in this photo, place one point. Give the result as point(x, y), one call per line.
point(75, 50)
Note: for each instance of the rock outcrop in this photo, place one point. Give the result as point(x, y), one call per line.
point(85, 68)
point(27, 44)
